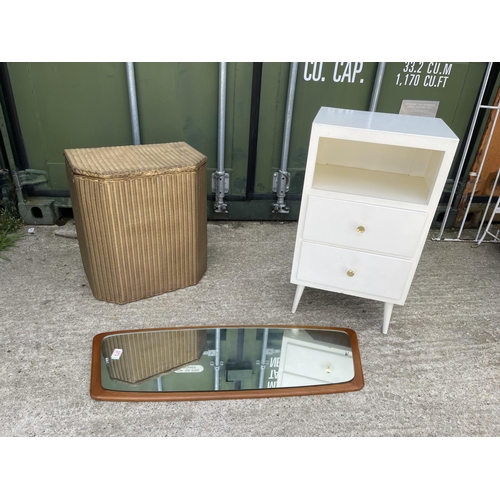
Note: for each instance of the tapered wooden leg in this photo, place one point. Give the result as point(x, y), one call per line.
point(387, 316)
point(296, 300)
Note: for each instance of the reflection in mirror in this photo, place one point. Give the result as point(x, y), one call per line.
point(226, 362)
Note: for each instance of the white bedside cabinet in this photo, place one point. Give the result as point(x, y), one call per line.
point(371, 188)
point(306, 361)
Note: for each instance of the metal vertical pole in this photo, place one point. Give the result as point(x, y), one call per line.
point(263, 358)
point(220, 179)
point(377, 86)
point(159, 384)
point(466, 149)
point(10, 157)
point(281, 180)
point(217, 358)
point(132, 97)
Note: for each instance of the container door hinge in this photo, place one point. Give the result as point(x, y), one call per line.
point(220, 186)
point(32, 177)
point(281, 185)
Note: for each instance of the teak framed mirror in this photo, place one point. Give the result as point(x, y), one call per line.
point(224, 362)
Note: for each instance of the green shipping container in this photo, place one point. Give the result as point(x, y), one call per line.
point(77, 105)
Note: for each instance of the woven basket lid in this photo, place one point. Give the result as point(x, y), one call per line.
point(134, 161)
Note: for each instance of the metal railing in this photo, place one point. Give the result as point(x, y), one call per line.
point(475, 175)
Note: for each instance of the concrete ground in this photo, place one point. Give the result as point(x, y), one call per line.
point(436, 373)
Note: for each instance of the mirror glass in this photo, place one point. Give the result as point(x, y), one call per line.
point(219, 362)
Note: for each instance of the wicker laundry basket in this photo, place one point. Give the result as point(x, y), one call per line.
point(149, 354)
point(141, 218)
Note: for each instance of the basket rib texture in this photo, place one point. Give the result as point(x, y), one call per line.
point(140, 215)
point(150, 354)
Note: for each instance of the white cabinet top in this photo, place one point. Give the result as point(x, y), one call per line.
point(384, 122)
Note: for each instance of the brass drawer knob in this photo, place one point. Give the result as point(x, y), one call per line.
point(350, 273)
point(360, 229)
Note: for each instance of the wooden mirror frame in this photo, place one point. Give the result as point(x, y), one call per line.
point(99, 393)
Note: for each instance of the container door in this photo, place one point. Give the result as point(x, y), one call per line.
point(179, 102)
point(344, 85)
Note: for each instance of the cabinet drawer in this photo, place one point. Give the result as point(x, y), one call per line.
point(353, 271)
point(366, 227)
point(313, 365)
